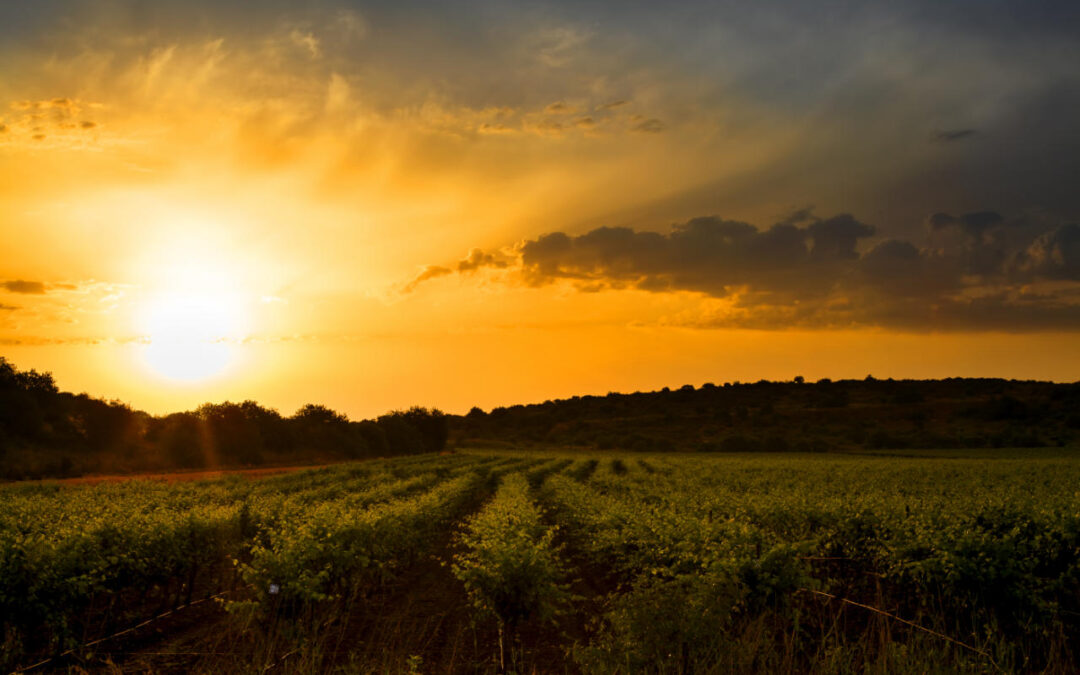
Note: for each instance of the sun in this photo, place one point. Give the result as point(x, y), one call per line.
point(194, 306)
point(191, 335)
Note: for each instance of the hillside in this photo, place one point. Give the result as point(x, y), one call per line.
point(793, 416)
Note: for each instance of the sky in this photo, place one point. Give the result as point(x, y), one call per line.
point(373, 205)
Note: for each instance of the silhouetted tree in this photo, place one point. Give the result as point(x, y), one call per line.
point(236, 429)
point(373, 436)
point(401, 436)
point(320, 428)
point(178, 439)
point(432, 425)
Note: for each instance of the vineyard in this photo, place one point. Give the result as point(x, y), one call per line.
point(962, 561)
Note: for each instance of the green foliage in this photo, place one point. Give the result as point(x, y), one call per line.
point(333, 548)
point(704, 563)
point(957, 544)
point(683, 623)
point(61, 550)
point(314, 533)
point(510, 567)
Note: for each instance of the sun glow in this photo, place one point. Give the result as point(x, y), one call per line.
point(187, 362)
point(191, 335)
point(192, 325)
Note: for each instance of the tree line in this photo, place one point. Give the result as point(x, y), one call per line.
point(45, 432)
point(793, 415)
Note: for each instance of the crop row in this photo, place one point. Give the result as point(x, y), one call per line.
point(77, 561)
point(693, 555)
point(509, 566)
point(986, 552)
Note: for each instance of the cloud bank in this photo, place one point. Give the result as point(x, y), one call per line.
point(975, 271)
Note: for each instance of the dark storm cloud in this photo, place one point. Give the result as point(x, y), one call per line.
point(973, 224)
point(836, 237)
point(21, 286)
point(977, 271)
point(7, 308)
point(706, 254)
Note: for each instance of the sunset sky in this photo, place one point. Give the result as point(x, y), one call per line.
point(372, 205)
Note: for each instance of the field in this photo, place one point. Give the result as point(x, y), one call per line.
point(600, 562)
